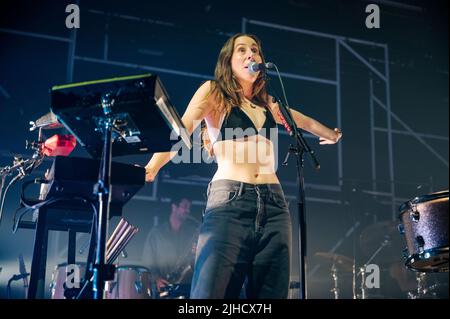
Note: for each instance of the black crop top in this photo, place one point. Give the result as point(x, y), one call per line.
point(238, 125)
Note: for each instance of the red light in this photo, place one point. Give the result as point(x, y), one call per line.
point(59, 145)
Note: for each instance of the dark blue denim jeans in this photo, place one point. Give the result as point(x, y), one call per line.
point(245, 236)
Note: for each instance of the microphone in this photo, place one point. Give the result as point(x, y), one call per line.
point(59, 145)
point(254, 67)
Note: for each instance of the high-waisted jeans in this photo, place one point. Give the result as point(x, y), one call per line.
point(245, 236)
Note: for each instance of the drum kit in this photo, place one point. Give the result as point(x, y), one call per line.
point(130, 282)
point(423, 226)
point(423, 221)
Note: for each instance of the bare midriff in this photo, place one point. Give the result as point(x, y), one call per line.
point(250, 160)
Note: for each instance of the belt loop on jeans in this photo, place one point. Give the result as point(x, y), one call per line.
point(241, 188)
point(257, 189)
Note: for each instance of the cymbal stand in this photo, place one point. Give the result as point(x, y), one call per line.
point(362, 270)
point(335, 277)
point(421, 289)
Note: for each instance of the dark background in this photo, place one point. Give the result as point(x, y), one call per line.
point(180, 41)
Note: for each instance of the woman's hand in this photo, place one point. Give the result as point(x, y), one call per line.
point(150, 174)
point(324, 141)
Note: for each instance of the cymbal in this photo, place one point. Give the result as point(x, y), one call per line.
point(384, 237)
point(340, 261)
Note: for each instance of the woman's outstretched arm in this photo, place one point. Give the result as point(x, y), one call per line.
point(197, 109)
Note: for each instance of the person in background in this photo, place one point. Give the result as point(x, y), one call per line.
point(169, 247)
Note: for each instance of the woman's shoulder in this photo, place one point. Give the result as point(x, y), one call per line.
point(203, 90)
point(203, 98)
point(208, 91)
point(206, 85)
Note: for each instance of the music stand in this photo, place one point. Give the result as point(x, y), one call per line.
point(134, 113)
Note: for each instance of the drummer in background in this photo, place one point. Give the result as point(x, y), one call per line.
point(169, 246)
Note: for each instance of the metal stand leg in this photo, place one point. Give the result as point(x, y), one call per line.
point(39, 262)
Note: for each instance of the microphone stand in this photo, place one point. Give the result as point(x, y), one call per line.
point(298, 150)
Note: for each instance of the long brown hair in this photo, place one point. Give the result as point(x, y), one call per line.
point(226, 90)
